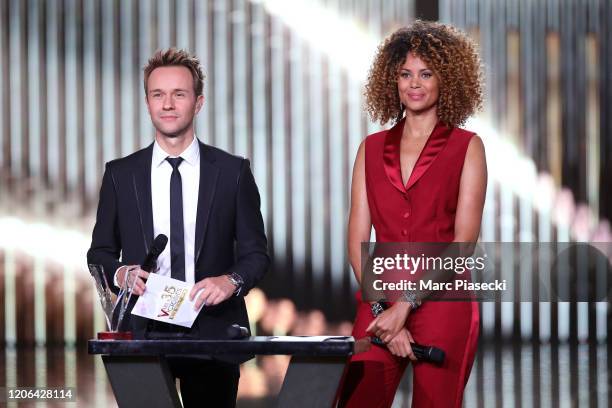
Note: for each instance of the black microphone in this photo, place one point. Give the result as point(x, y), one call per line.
point(236, 332)
point(159, 243)
point(429, 354)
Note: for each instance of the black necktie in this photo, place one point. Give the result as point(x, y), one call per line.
point(177, 236)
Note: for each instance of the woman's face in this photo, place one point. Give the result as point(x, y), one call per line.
point(418, 86)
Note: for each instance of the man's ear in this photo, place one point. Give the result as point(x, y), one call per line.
point(199, 103)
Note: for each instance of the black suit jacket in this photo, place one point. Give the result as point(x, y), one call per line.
point(230, 234)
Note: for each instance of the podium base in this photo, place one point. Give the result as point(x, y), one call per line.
point(114, 335)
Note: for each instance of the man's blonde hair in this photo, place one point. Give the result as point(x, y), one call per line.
point(176, 57)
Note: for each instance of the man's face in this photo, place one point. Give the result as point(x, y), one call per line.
point(171, 100)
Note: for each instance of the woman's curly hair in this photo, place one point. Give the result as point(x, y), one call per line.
point(450, 53)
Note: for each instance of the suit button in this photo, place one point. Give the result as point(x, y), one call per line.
point(407, 214)
point(404, 232)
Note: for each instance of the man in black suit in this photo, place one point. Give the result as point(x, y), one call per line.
point(206, 201)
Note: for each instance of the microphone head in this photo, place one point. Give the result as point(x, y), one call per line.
point(236, 332)
point(436, 355)
point(159, 244)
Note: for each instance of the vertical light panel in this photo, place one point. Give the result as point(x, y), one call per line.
point(40, 321)
point(183, 24)
point(260, 102)
point(513, 100)
point(52, 105)
point(241, 70)
point(544, 265)
point(109, 98)
point(507, 227)
point(16, 87)
point(164, 24)
point(487, 234)
point(71, 112)
point(145, 51)
point(70, 329)
point(34, 102)
point(298, 161)
point(553, 105)
point(356, 132)
point(91, 107)
point(127, 78)
point(221, 75)
point(563, 308)
point(3, 136)
point(601, 307)
point(582, 312)
point(10, 312)
point(201, 49)
point(316, 146)
point(593, 122)
point(337, 194)
point(279, 138)
point(526, 235)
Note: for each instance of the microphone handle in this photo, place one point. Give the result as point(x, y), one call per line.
point(421, 352)
point(148, 263)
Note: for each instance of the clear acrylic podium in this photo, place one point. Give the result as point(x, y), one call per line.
point(312, 378)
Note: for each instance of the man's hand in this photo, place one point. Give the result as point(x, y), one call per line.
point(400, 345)
point(133, 272)
point(212, 291)
point(388, 324)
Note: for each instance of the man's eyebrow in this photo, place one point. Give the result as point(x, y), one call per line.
point(174, 90)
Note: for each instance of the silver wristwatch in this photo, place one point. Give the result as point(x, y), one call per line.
point(237, 281)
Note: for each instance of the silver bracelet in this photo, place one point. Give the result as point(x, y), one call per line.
point(411, 298)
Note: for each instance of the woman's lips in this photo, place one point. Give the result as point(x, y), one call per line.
point(416, 97)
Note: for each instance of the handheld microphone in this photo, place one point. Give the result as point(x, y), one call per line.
point(159, 243)
point(236, 332)
point(429, 354)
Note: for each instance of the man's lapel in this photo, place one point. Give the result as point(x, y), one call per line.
point(141, 183)
point(206, 193)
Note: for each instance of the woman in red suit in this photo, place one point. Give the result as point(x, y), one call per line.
point(423, 180)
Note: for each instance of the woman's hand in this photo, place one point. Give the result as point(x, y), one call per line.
point(400, 345)
point(389, 323)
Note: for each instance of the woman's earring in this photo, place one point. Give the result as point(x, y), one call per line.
point(400, 114)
